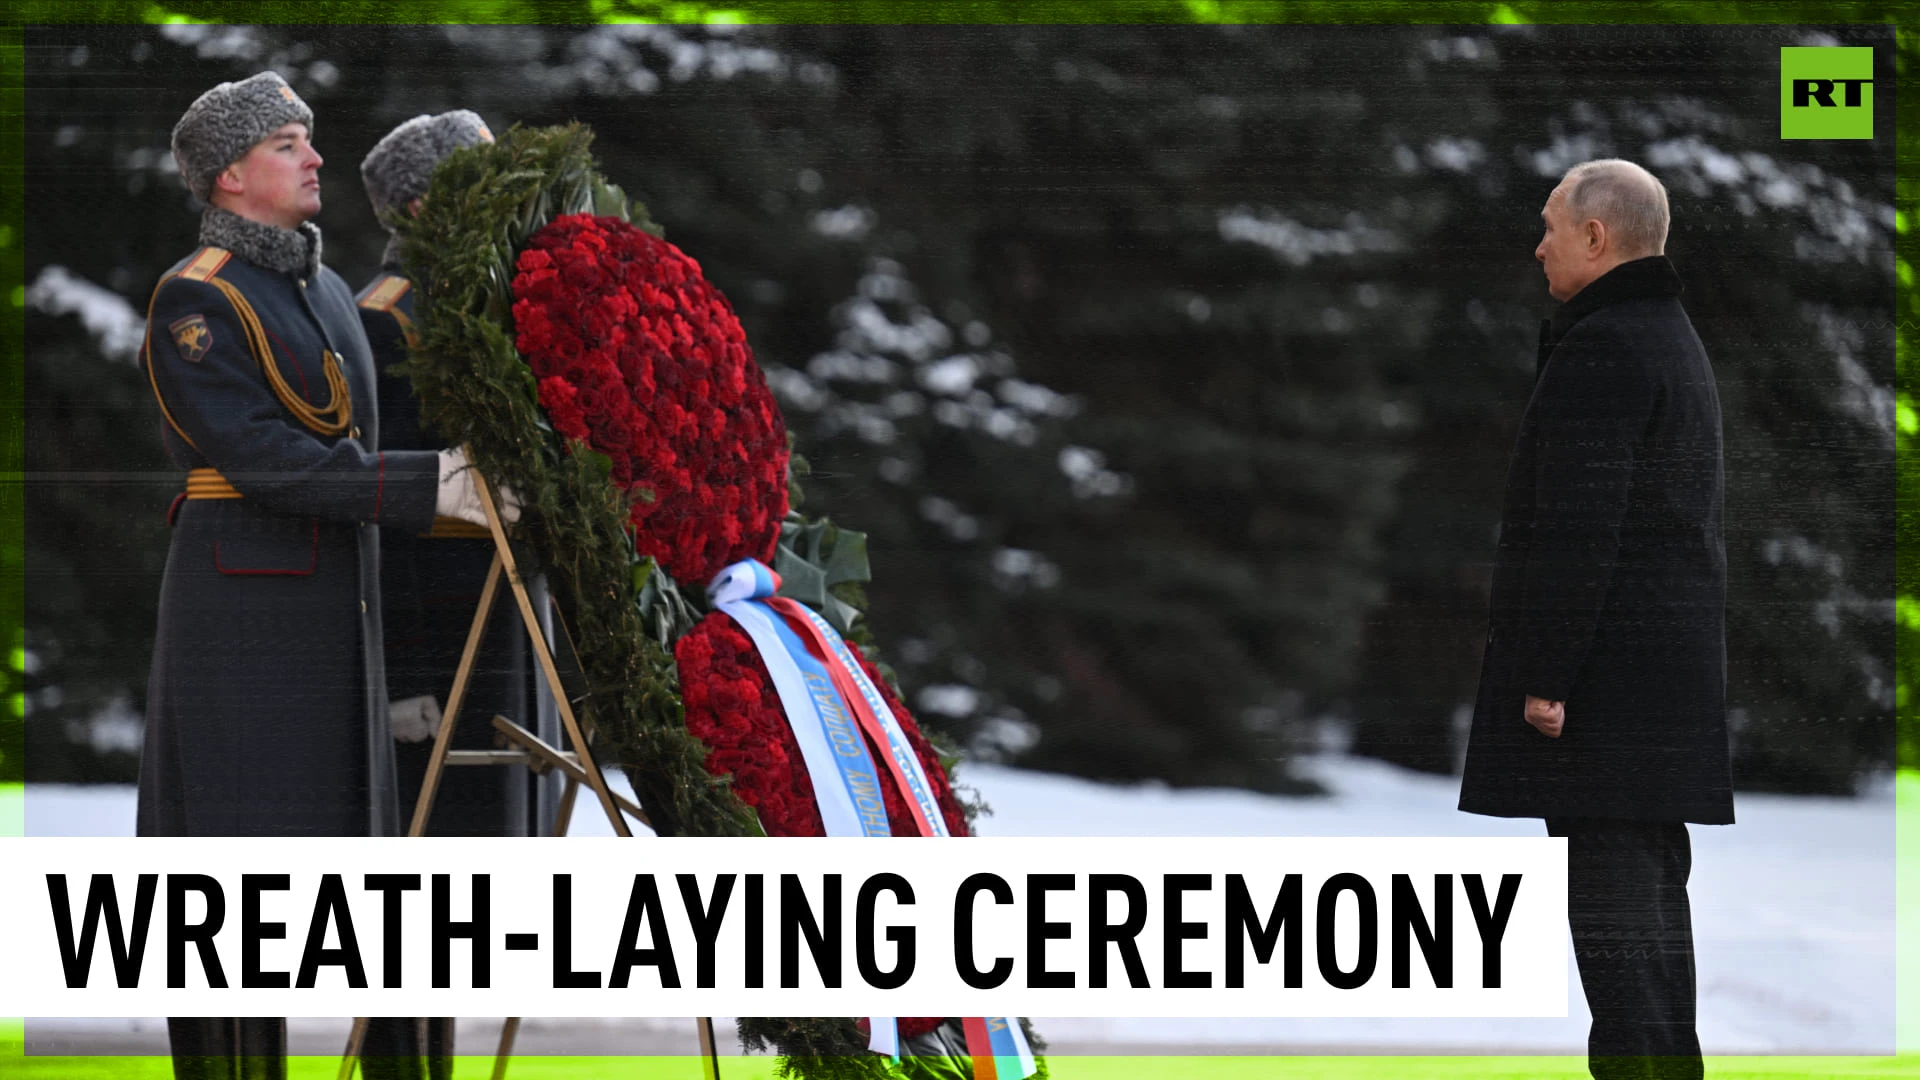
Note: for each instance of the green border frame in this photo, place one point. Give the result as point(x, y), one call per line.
point(1902, 18)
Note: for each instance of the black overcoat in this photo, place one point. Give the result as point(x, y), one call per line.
point(1609, 588)
point(266, 703)
point(431, 585)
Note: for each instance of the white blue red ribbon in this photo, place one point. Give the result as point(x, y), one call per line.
point(998, 1048)
point(845, 783)
point(828, 700)
point(1011, 1054)
point(874, 716)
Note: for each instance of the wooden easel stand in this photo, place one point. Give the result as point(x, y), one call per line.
point(577, 765)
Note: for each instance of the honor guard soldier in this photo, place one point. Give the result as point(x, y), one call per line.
point(431, 583)
point(266, 705)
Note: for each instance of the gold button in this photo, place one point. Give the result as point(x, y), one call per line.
point(355, 432)
point(363, 607)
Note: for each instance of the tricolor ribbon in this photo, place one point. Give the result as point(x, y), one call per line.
point(845, 784)
point(998, 1048)
point(871, 709)
point(829, 703)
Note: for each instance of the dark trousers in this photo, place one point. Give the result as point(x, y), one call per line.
point(1633, 940)
point(255, 1048)
point(228, 1048)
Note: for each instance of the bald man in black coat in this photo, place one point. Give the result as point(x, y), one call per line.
point(1602, 703)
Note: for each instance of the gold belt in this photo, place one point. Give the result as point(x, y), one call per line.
point(457, 529)
point(209, 484)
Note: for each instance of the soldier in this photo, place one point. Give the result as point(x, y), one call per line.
point(431, 583)
point(266, 705)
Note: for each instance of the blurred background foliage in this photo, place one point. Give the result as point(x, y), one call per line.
point(1171, 370)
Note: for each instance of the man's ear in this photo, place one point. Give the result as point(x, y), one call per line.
point(229, 181)
point(413, 206)
point(1596, 236)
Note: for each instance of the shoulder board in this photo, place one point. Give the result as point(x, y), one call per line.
point(384, 293)
point(205, 264)
point(202, 265)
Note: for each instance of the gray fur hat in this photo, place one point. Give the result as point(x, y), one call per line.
point(398, 167)
point(227, 121)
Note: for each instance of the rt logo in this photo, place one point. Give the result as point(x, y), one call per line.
point(1826, 93)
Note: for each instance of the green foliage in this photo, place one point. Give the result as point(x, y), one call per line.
point(481, 209)
point(816, 1051)
point(623, 610)
point(822, 565)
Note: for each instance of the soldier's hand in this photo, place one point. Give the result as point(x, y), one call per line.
point(458, 498)
point(1547, 717)
point(414, 719)
point(507, 503)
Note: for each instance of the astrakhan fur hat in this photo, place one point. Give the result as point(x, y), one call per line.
point(398, 167)
point(227, 121)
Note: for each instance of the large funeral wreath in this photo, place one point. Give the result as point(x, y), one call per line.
point(589, 365)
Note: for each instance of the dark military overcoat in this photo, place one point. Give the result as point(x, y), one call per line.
point(431, 585)
point(266, 704)
point(1609, 589)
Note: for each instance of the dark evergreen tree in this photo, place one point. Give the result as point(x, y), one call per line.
point(1785, 249)
point(1171, 370)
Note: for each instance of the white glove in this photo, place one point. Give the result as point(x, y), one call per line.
point(414, 719)
point(458, 499)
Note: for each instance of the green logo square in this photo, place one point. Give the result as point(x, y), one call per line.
point(1826, 93)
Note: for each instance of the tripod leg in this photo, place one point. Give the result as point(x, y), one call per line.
point(430, 784)
point(709, 1057)
point(355, 1038)
point(538, 638)
point(508, 1031)
point(564, 815)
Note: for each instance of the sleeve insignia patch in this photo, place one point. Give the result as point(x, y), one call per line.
point(387, 293)
point(192, 336)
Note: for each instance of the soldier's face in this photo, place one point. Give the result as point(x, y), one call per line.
point(278, 181)
point(1564, 249)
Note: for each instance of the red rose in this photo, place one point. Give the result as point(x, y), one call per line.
point(715, 660)
point(661, 384)
point(558, 398)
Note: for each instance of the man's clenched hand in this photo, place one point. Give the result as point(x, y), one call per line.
point(1547, 717)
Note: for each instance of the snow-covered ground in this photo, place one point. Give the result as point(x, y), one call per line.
point(1793, 918)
